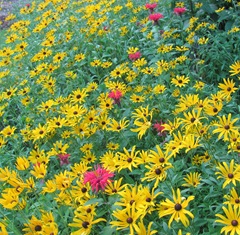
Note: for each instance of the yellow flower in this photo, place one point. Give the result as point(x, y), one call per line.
point(230, 173)
point(225, 127)
point(3, 230)
point(127, 218)
point(39, 170)
point(231, 221)
point(227, 88)
point(233, 198)
point(180, 81)
point(142, 230)
point(177, 208)
point(9, 198)
point(126, 159)
point(22, 163)
point(235, 68)
point(156, 173)
point(192, 179)
point(142, 127)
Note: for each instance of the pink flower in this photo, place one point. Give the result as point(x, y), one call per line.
point(63, 159)
point(116, 95)
point(179, 11)
point(28, 5)
point(160, 128)
point(155, 17)
point(135, 56)
point(151, 6)
point(98, 179)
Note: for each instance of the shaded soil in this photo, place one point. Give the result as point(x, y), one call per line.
point(7, 7)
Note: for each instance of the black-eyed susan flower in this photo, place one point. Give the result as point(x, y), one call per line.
point(84, 223)
point(158, 157)
point(180, 81)
point(34, 224)
point(225, 127)
point(192, 179)
point(191, 119)
point(127, 218)
point(233, 198)
point(3, 229)
point(231, 221)
point(117, 126)
point(8, 131)
point(127, 159)
point(114, 187)
point(230, 173)
point(22, 163)
point(176, 208)
point(227, 87)
point(156, 173)
point(235, 68)
point(112, 146)
point(145, 230)
point(39, 170)
point(142, 127)
point(9, 198)
point(213, 108)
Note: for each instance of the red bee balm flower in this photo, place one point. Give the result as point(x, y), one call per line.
point(63, 159)
point(116, 95)
point(134, 56)
point(98, 179)
point(155, 17)
point(151, 6)
point(160, 128)
point(179, 11)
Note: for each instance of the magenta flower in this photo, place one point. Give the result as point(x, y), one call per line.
point(116, 95)
point(179, 10)
point(155, 17)
point(151, 6)
point(98, 179)
point(158, 126)
point(135, 56)
point(63, 159)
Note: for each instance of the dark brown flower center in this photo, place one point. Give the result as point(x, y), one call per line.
point(237, 200)
point(161, 160)
point(192, 119)
point(229, 89)
point(129, 220)
point(178, 207)
point(38, 228)
point(132, 201)
point(215, 110)
point(158, 171)
point(148, 199)
point(227, 127)
point(230, 175)
point(234, 223)
point(84, 190)
point(85, 224)
point(129, 160)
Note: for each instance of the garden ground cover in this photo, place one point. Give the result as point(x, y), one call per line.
point(120, 117)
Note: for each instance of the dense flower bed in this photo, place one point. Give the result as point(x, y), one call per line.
point(120, 117)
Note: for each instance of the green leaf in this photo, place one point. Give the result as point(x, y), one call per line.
point(109, 230)
point(94, 201)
